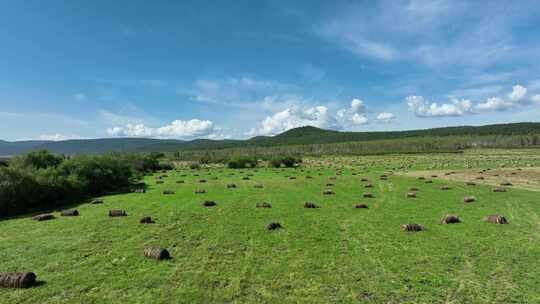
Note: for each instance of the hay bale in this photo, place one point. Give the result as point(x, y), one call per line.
point(470, 183)
point(498, 189)
point(209, 204)
point(309, 177)
point(428, 181)
point(231, 186)
point(157, 254)
point(469, 199)
point(96, 202)
point(450, 219)
point(258, 186)
point(329, 184)
point(363, 179)
point(43, 217)
point(202, 181)
point(117, 212)
point(360, 206)
point(411, 194)
point(245, 178)
point(17, 279)
point(368, 186)
point(367, 195)
point(264, 205)
point(292, 177)
point(146, 220)
point(421, 178)
point(412, 227)
point(138, 190)
point(310, 205)
point(72, 212)
point(480, 178)
point(200, 191)
point(506, 184)
point(496, 219)
point(168, 192)
point(445, 187)
point(159, 182)
point(273, 226)
point(328, 192)
point(180, 182)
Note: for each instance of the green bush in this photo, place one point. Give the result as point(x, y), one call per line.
point(240, 162)
point(40, 180)
point(287, 161)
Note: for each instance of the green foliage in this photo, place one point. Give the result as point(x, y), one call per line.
point(287, 161)
point(242, 161)
point(40, 180)
point(37, 160)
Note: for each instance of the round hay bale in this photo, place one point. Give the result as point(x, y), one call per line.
point(368, 186)
point(421, 178)
point(496, 219)
point(245, 178)
point(310, 205)
point(43, 217)
point(363, 179)
point(498, 189)
point(470, 183)
point(328, 192)
point(168, 192)
point(428, 181)
point(506, 184)
point(273, 226)
point(263, 205)
point(17, 279)
point(117, 212)
point(200, 191)
point(329, 184)
point(469, 199)
point(445, 187)
point(367, 195)
point(231, 186)
point(72, 212)
point(309, 177)
point(450, 219)
point(159, 182)
point(412, 227)
point(411, 194)
point(146, 220)
point(202, 181)
point(180, 182)
point(360, 206)
point(292, 177)
point(157, 254)
point(258, 186)
point(209, 204)
point(480, 178)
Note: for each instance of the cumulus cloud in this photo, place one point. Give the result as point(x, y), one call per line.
point(177, 129)
point(518, 93)
point(294, 117)
point(385, 117)
point(354, 115)
point(423, 108)
point(319, 116)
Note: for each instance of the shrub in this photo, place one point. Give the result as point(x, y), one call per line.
point(240, 162)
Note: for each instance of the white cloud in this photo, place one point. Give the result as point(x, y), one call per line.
point(354, 115)
point(518, 93)
point(422, 108)
point(177, 129)
point(536, 99)
point(385, 117)
point(494, 104)
point(295, 117)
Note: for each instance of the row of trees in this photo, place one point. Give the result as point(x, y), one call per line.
point(41, 180)
point(391, 146)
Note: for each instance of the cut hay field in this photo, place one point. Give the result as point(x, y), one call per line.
point(331, 254)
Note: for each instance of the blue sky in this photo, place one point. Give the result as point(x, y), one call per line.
point(197, 69)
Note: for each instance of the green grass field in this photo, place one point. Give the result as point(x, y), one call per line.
point(333, 254)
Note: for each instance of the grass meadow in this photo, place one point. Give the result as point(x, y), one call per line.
point(331, 254)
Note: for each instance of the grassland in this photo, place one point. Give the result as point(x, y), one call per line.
point(333, 254)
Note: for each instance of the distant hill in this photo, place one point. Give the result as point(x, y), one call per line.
point(298, 136)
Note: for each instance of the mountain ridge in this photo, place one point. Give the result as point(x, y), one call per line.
point(297, 136)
